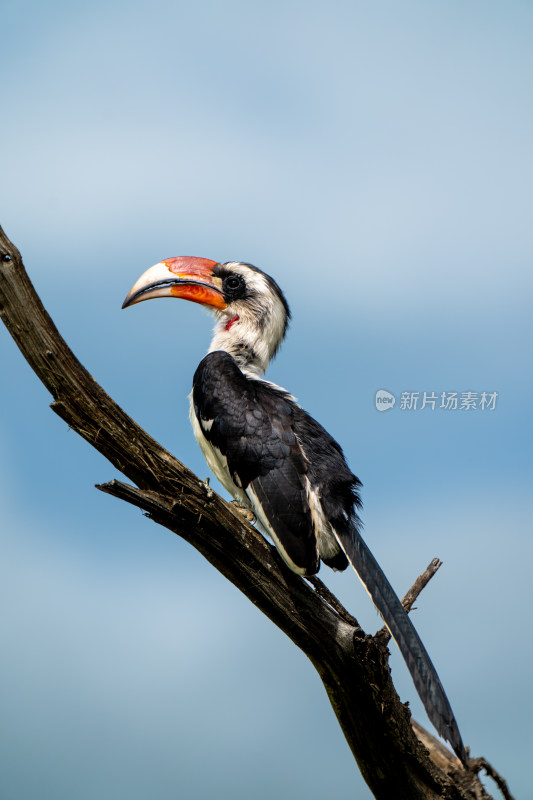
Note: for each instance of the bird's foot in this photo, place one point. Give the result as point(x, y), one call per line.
point(208, 489)
point(243, 511)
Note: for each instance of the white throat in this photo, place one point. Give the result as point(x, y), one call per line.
point(245, 341)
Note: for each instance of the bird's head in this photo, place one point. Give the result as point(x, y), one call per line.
point(251, 312)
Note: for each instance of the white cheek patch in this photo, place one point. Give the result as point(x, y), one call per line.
point(258, 325)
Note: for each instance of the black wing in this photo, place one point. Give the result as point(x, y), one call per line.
point(251, 424)
point(330, 477)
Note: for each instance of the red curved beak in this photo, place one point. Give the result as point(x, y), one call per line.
point(185, 276)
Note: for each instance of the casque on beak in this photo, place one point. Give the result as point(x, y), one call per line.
point(185, 276)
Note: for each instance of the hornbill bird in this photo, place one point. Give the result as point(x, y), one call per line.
point(274, 458)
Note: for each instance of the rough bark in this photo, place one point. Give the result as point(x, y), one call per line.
point(353, 666)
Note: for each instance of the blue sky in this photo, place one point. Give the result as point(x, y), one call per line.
point(376, 160)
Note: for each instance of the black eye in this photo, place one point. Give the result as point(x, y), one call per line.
point(233, 285)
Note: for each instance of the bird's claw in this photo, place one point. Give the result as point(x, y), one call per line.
point(244, 512)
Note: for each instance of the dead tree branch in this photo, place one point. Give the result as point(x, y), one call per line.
point(411, 596)
point(353, 666)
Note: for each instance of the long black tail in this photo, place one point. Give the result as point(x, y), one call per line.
point(424, 674)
